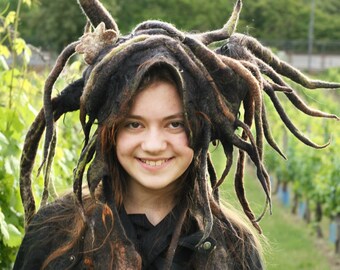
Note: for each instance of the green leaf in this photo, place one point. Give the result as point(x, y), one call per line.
point(27, 2)
point(4, 51)
point(3, 226)
point(10, 18)
point(32, 109)
point(8, 167)
point(3, 63)
point(11, 235)
point(3, 139)
point(15, 236)
point(76, 66)
point(19, 45)
point(27, 54)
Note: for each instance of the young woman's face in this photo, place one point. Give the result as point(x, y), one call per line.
point(152, 145)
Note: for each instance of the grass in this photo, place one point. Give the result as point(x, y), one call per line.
point(291, 245)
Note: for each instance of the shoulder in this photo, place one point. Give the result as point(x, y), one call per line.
point(232, 244)
point(237, 245)
point(49, 229)
point(54, 215)
point(57, 215)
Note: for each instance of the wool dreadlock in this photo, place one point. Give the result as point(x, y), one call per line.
point(214, 83)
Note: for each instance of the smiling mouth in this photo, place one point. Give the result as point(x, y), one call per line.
point(154, 163)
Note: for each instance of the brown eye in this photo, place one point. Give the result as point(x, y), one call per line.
point(176, 125)
point(133, 125)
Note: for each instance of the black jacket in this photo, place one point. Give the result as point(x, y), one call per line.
point(116, 248)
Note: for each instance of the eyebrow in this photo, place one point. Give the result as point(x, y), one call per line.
point(172, 116)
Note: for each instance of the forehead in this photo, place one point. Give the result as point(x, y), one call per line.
point(158, 98)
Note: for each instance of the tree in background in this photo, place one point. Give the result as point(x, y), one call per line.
point(327, 12)
point(190, 15)
point(277, 20)
point(13, 96)
point(52, 24)
point(20, 93)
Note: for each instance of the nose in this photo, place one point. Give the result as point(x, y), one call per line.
point(154, 141)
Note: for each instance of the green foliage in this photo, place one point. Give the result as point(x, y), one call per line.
point(13, 100)
point(185, 14)
point(313, 174)
point(277, 20)
point(53, 24)
point(291, 245)
point(20, 96)
point(327, 19)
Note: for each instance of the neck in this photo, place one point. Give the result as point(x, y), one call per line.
point(154, 204)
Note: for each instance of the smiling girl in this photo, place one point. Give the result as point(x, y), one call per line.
point(153, 148)
point(154, 176)
point(156, 99)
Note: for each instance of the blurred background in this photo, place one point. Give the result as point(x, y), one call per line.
point(304, 230)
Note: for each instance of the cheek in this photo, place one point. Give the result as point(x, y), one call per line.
point(190, 154)
point(181, 140)
point(123, 144)
point(182, 145)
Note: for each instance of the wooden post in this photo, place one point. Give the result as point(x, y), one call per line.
point(318, 219)
point(307, 214)
point(337, 241)
point(295, 203)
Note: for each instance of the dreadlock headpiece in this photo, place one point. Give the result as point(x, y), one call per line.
point(214, 83)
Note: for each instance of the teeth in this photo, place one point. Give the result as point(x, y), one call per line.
point(154, 163)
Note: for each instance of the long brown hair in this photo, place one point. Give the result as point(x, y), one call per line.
point(243, 239)
point(114, 184)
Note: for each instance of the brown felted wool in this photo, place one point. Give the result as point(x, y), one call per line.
point(213, 85)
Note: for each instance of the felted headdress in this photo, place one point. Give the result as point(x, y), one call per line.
point(214, 82)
